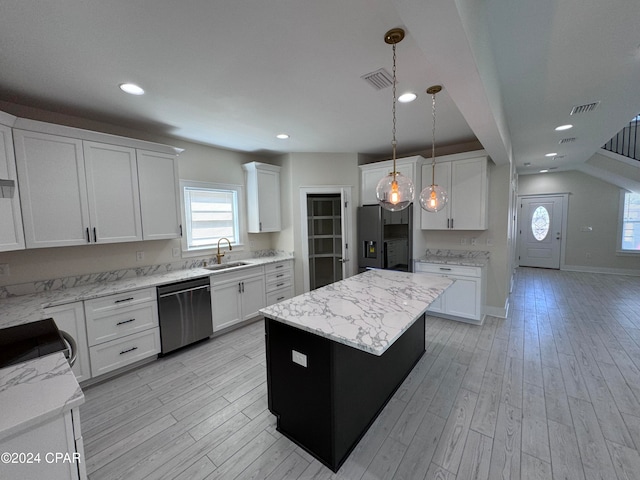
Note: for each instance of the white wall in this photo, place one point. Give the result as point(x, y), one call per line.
point(592, 203)
point(197, 162)
point(306, 170)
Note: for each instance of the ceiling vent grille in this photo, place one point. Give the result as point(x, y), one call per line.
point(586, 108)
point(567, 140)
point(379, 79)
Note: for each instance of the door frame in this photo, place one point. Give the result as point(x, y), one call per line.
point(345, 193)
point(564, 223)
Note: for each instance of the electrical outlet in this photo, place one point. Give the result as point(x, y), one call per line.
point(489, 242)
point(139, 256)
point(4, 269)
point(473, 240)
point(463, 240)
point(299, 358)
point(175, 251)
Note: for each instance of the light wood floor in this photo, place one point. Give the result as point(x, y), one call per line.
point(553, 391)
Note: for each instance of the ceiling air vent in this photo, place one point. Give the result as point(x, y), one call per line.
point(586, 108)
point(379, 79)
point(567, 140)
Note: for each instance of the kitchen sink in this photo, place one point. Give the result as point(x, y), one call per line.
point(224, 266)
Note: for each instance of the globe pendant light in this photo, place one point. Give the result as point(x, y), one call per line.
point(394, 192)
point(433, 198)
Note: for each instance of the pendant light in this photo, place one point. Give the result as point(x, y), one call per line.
point(433, 198)
point(394, 192)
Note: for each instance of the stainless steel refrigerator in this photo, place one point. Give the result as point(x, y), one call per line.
point(385, 238)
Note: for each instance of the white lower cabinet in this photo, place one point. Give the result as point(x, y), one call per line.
point(279, 281)
point(236, 296)
point(59, 444)
point(70, 318)
point(122, 329)
point(464, 299)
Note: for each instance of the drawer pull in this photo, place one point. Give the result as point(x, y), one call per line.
point(446, 269)
point(279, 284)
point(129, 350)
point(281, 275)
point(126, 321)
point(123, 300)
point(280, 298)
point(279, 266)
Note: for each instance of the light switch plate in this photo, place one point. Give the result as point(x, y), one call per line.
point(299, 358)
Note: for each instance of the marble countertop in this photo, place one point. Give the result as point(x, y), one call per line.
point(30, 308)
point(368, 311)
point(468, 258)
point(35, 391)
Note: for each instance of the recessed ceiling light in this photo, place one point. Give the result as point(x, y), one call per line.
point(544, 171)
point(282, 136)
point(552, 154)
point(564, 127)
point(131, 88)
point(407, 97)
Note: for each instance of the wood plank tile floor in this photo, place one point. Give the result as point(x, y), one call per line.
point(551, 392)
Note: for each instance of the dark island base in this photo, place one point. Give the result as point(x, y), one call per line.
point(329, 405)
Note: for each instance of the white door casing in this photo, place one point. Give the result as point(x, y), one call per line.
point(541, 231)
point(345, 198)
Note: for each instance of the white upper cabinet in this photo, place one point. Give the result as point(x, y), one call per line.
point(466, 181)
point(263, 197)
point(11, 233)
point(53, 189)
point(78, 190)
point(112, 188)
point(372, 173)
point(159, 195)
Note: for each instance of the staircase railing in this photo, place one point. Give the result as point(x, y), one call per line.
point(626, 141)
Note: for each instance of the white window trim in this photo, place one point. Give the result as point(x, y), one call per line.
point(619, 250)
point(241, 220)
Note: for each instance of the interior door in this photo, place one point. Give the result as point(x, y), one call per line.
point(540, 231)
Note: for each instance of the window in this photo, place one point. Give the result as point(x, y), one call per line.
point(540, 223)
point(211, 212)
point(630, 230)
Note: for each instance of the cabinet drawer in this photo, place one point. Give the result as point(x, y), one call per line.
point(105, 305)
point(119, 353)
point(277, 266)
point(278, 276)
point(279, 284)
point(121, 323)
point(446, 269)
point(279, 295)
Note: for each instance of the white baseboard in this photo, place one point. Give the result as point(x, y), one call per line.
point(498, 311)
point(604, 270)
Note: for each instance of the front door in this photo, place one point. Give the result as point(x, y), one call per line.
point(540, 231)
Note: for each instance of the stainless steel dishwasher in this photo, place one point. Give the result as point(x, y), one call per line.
point(184, 310)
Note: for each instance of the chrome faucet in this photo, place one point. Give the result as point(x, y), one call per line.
point(220, 255)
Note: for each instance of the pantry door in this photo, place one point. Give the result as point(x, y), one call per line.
point(541, 231)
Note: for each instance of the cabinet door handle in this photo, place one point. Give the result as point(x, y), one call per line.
point(452, 223)
point(88, 237)
point(242, 287)
point(260, 226)
point(95, 235)
point(123, 300)
point(239, 287)
point(126, 321)
point(129, 350)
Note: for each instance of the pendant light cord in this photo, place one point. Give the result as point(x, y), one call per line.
point(433, 140)
point(393, 111)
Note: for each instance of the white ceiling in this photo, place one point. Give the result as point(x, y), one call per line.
point(235, 73)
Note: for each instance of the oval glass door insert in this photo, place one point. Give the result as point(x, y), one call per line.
point(540, 223)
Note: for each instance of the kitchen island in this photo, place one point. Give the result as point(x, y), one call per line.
point(336, 355)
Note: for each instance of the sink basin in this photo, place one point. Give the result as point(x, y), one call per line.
point(224, 266)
